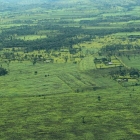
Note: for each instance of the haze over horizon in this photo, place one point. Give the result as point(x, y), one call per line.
point(70, 1)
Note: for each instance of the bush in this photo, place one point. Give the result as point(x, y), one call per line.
point(3, 71)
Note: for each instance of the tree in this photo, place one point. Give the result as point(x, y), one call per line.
point(134, 72)
point(34, 61)
point(83, 119)
point(3, 71)
point(99, 98)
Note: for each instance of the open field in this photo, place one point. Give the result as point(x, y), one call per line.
point(61, 116)
point(133, 62)
point(53, 107)
point(127, 33)
point(31, 37)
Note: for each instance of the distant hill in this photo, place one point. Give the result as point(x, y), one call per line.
point(109, 2)
point(21, 1)
point(40, 1)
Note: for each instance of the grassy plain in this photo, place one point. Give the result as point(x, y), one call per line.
point(53, 107)
point(67, 100)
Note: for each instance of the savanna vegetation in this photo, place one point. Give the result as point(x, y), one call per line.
point(69, 70)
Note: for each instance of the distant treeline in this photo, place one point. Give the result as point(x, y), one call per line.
point(65, 36)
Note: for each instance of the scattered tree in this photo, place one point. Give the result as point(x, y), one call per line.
point(3, 71)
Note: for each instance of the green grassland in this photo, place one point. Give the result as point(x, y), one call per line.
point(37, 107)
point(127, 33)
point(60, 116)
point(70, 97)
point(132, 62)
point(34, 106)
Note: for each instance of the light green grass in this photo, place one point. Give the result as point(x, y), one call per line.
point(60, 79)
point(133, 62)
point(31, 37)
point(127, 33)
